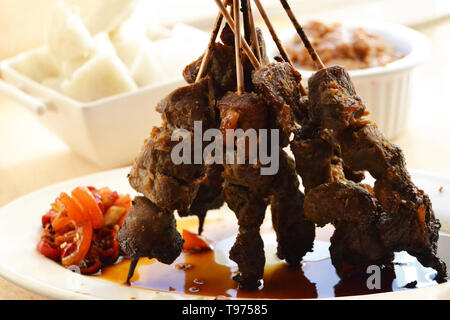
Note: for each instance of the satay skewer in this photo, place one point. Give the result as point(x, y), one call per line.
point(254, 36)
point(248, 51)
point(246, 21)
point(212, 40)
point(272, 31)
point(301, 33)
point(133, 265)
point(237, 46)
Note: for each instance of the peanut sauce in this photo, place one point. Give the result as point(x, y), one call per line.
point(210, 273)
point(352, 48)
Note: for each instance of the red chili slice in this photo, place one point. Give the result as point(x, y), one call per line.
point(194, 243)
point(49, 217)
point(107, 246)
point(91, 263)
point(49, 249)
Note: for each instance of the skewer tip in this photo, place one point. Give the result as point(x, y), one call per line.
point(131, 270)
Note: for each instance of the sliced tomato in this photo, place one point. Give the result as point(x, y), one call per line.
point(193, 242)
point(88, 203)
point(62, 224)
point(107, 246)
point(49, 249)
point(67, 237)
point(70, 223)
point(73, 210)
point(77, 250)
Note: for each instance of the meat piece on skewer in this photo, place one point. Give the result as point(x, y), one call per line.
point(332, 199)
point(279, 83)
point(227, 36)
point(167, 185)
point(246, 192)
point(209, 195)
point(314, 154)
point(149, 231)
point(334, 103)
point(295, 235)
point(221, 68)
point(246, 111)
point(185, 105)
point(354, 212)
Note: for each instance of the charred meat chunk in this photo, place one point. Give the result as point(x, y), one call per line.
point(354, 212)
point(313, 158)
point(188, 104)
point(279, 84)
point(221, 68)
point(248, 249)
point(334, 102)
point(149, 231)
point(154, 174)
point(246, 111)
point(295, 235)
point(209, 195)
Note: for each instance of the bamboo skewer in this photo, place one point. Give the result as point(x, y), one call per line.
point(212, 41)
point(133, 265)
point(248, 51)
point(301, 33)
point(272, 31)
point(246, 21)
point(254, 36)
point(237, 46)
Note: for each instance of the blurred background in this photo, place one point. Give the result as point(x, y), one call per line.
point(32, 157)
point(23, 22)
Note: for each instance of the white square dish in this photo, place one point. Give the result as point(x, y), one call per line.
point(108, 132)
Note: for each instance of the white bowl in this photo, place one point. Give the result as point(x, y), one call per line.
point(108, 132)
point(388, 90)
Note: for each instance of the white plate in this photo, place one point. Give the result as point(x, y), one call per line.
point(21, 264)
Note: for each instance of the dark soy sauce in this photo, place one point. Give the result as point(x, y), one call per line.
point(210, 273)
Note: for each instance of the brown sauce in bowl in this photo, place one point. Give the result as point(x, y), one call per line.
point(210, 273)
point(352, 48)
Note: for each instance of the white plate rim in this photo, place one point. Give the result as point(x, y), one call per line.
point(47, 290)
